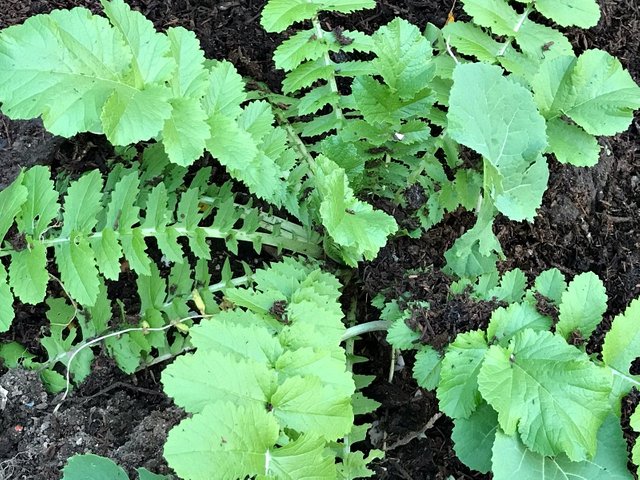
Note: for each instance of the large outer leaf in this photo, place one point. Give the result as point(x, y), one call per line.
point(549, 391)
point(497, 118)
point(512, 460)
point(92, 467)
point(579, 13)
point(473, 438)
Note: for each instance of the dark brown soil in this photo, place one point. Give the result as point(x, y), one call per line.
point(590, 220)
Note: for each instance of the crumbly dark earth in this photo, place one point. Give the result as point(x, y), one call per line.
point(590, 220)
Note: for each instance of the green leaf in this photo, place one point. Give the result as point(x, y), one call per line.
point(225, 91)
point(6, 302)
point(497, 118)
point(505, 323)
point(302, 46)
point(122, 212)
point(92, 467)
point(277, 15)
point(78, 271)
point(190, 78)
point(400, 336)
point(305, 75)
point(185, 133)
point(634, 422)
point(41, 206)
point(494, 14)
point(354, 465)
point(571, 144)
point(582, 306)
point(511, 459)
point(473, 438)
point(470, 39)
point(12, 199)
point(427, 368)
point(304, 458)
point(108, 252)
point(547, 390)
point(512, 285)
point(551, 284)
point(28, 273)
point(134, 248)
point(622, 346)
point(581, 13)
point(458, 388)
point(224, 441)
point(350, 222)
point(82, 204)
point(144, 474)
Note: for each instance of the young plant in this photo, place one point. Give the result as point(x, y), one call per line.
point(269, 385)
point(94, 467)
point(525, 397)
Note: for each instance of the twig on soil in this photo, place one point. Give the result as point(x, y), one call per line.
point(413, 435)
point(113, 386)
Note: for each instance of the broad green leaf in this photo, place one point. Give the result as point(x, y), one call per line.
point(550, 84)
point(224, 441)
point(82, 204)
point(582, 306)
point(511, 459)
point(579, 13)
point(305, 75)
point(6, 302)
point(427, 367)
point(622, 346)
point(78, 271)
point(306, 458)
point(92, 467)
point(505, 323)
point(400, 336)
point(473, 438)
point(350, 222)
point(458, 388)
point(298, 48)
point(190, 78)
point(511, 288)
point(469, 39)
point(12, 198)
point(108, 253)
point(548, 391)
point(185, 132)
point(41, 206)
point(551, 284)
point(634, 422)
point(225, 91)
point(497, 15)
point(28, 274)
point(210, 376)
point(279, 14)
point(306, 405)
point(402, 58)
point(150, 61)
point(497, 118)
point(231, 145)
point(354, 465)
point(14, 355)
point(571, 144)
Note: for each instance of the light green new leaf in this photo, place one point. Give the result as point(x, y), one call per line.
point(511, 459)
point(225, 91)
point(579, 13)
point(78, 271)
point(458, 388)
point(497, 118)
point(306, 405)
point(350, 222)
point(634, 422)
point(473, 438)
point(108, 253)
point(277, 15)
point(6, 302)
point(190, 78)
point(82, 204)
point(28, 274)
point(511, 288)
point(401, 337)
point(470, 39)
point(497, 15)
point(551, 284)
point(42, 205)
point(622, 346)
point(92, 467)
point(151, 62)
point(427, 367)
point(302, 46)
point(231, 145)
point(306, 458)
point(582, 306)
point(12, 199)
point(185, 133)
point(548, 391)
point(505, 323)
point(571, 144)
point(305, 75)
point(225, 442)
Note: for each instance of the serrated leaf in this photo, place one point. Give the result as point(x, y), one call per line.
point(82, 204)
point(458, 388)
point(185, 132)
point(301, 47)
point(225, 91)
point(12, 198)
point(400, 336)
point(497, 118)
point(505, 323)
point(511, 459)
point(551, 284)
point(305, 75)
point(122, 212)
point(134, 248)
point(511, 288)
point(279, 14)
point(224, 441)
point(41, 206)
point(634, 422)
point(582, 306)
point(305, 459)
point(190, 78)
point(474, 437)
point(78, 271)
point(427, 367)
point(581, 13)
point(6, 302)
point(230, 144)
point(92, 467)
point(108, 253)
point(571, 144)
point(28, 274)
point(548, 391)
point(469, 39)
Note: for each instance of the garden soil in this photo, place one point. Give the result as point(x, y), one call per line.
point(590, 220)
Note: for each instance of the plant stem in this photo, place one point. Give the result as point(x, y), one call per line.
point(362, 328)
point(516, 29)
